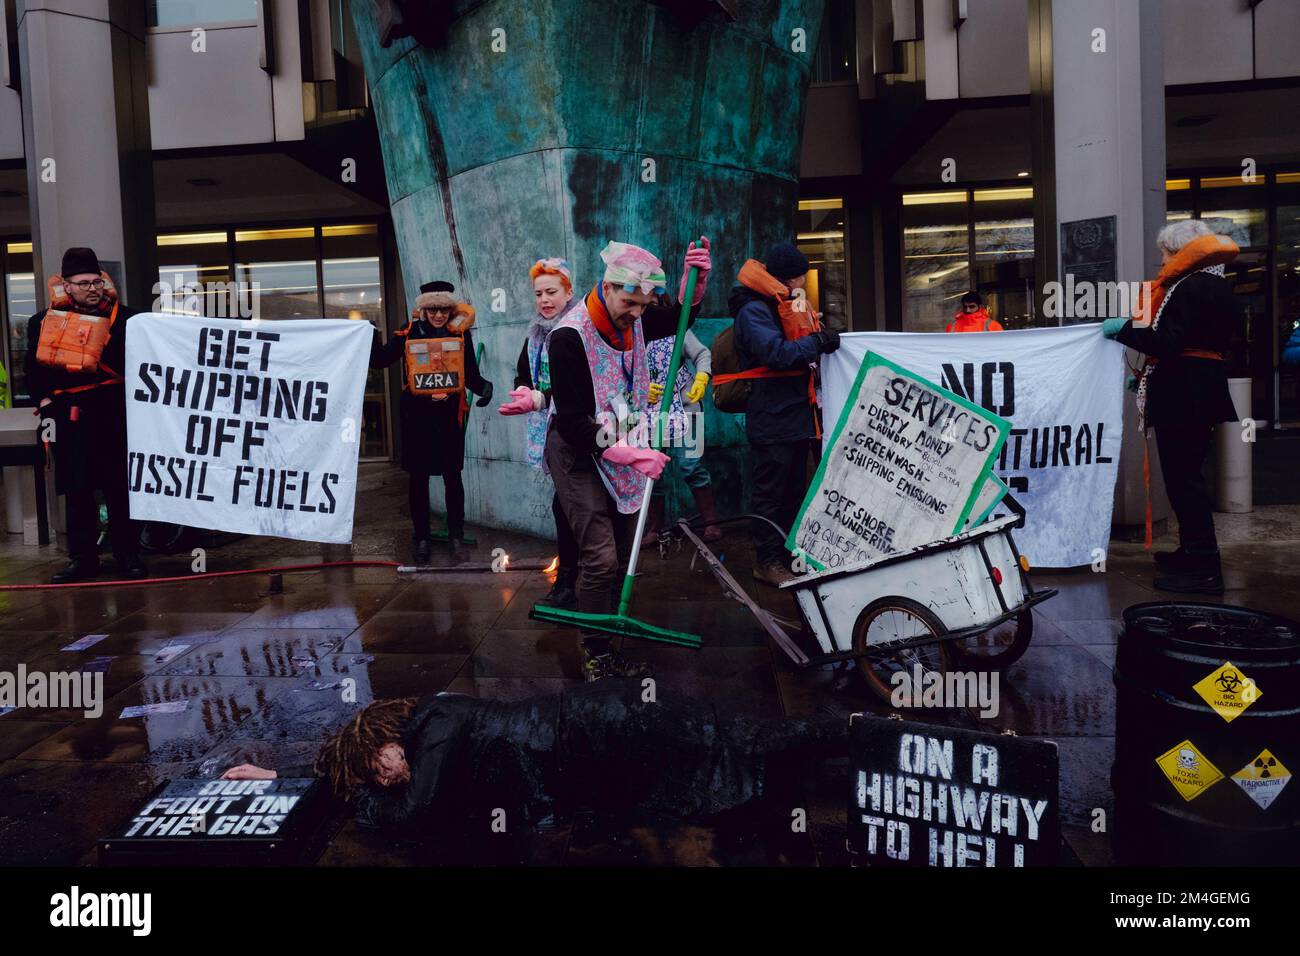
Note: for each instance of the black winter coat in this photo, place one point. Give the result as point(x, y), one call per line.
point(1201, 313)
point(778, 409)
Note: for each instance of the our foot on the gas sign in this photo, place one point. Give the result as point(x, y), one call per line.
point(458, 551)
point(78, 569)
point(423, 550)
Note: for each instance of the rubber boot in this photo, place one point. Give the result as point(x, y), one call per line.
point(704, 502)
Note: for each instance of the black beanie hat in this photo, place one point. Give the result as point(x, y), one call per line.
point(784, 261)
point(972, 296)
point(79, 260)
point(437, 286)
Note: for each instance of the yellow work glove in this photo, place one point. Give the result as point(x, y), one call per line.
point(696, 391)
point(656, 393)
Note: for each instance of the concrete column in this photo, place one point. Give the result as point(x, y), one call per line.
point(1097, 102)
point(86, 136)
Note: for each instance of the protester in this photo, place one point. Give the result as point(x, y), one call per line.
point(778, 333)
point(445, 759)
point(596, 443)
point(684, 443)
point(434, 406)
point(80, 396)
point(1185, 329)
point(973, 317)
point(553, 294)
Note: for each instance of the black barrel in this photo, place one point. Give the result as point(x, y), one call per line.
point(1243, 810)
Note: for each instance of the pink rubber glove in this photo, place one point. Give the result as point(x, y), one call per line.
point(698, 258)
point(645, 460)
point(522, 401)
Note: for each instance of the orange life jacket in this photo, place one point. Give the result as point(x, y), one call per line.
point(74, 341)
point(797, 320)
point(435, 366)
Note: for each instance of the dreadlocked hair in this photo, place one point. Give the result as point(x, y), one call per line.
point(346, 759)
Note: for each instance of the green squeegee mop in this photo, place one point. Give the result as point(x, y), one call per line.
point(622, 622)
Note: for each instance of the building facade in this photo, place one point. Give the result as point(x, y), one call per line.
point(941, 151)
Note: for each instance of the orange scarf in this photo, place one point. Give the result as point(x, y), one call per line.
point(796, 314)
point(1201, 253)
point(617, 338)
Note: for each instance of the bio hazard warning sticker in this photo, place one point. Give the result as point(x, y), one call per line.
point(1188, 770)
point(1228, 690)
point(1263, 778)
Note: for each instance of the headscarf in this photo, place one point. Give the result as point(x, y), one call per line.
point(633, 268)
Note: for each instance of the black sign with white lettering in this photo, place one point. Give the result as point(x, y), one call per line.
point(218, 816)
point(923, 795)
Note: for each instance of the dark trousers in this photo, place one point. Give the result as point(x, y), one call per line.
point(83, 524)
point(779, 485)
point(418, 500)
point(1183, 450)
point(603, 534)
point(566, 545)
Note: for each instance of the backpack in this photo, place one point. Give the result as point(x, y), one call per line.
point(731, 395)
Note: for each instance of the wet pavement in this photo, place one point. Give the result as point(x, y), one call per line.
point(259, 673)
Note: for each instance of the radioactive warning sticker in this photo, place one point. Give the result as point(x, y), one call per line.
point(1188, 770)
point(1263, 779)
point(1228, 690)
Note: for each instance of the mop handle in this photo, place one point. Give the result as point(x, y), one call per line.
point(625, 597)
point(670, 383)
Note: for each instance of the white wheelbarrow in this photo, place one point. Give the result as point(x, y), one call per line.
point(965, 601)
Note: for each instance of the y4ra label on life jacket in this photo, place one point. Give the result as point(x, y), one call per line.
point(437, 380)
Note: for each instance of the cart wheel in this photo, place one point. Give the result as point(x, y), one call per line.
point(998, 648)
point(895, 619)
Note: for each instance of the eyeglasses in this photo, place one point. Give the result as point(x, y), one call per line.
point(88, 284)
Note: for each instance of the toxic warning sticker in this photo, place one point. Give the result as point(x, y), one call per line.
point(1188, 770)
point(1263, 779)
point(1228, 690)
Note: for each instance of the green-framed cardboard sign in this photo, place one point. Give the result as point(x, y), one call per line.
point(990, 495)
point(904, 466)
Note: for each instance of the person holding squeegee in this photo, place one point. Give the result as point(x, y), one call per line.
point(597, 443)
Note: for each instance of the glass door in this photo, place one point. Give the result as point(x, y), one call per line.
point(1251, 353)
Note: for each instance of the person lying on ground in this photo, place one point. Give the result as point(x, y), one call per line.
point(448, 758)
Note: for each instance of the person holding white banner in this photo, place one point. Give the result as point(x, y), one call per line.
point(1182, 389)
point(437, 352)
